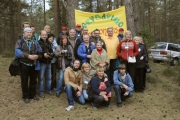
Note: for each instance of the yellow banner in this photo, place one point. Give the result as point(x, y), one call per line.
point(115, 18)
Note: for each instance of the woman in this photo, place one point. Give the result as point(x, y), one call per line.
point(128, 49)
point(65, 55)
point(50, 40)
point(87, 74)
point(139, 83)
point(99, 57)
point(100, 95)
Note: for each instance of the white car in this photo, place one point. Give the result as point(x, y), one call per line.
point(164, 51)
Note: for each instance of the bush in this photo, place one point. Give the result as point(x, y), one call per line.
point(8, 53)
point(147, 36)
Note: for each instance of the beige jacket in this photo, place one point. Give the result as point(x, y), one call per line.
point(72, 79)
point(97, 58)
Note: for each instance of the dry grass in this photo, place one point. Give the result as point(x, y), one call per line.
point(159, 101)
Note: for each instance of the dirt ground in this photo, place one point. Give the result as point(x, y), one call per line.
point(160, 101)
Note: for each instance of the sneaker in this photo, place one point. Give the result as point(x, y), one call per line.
point(94, 107)
point(70, 107)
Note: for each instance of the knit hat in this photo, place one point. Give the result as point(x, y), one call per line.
point(27, 29)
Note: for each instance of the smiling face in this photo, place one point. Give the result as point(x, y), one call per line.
point(110, 32)
point(76, 64)
point(128, 35)
point(85, 38)
point(99, 45)
point(50, 39)
point(28, 34)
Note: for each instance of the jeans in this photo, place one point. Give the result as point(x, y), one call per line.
point(60, 81)
point(45, 70)
point(71, 96)
point(28, 75)
point(85, 95)
point(120, 93)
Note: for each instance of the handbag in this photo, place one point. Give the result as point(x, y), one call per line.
point(148, 69)
point(131, 59)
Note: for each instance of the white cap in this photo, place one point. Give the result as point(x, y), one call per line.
point(27, 29)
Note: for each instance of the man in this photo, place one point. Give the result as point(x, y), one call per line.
point(97, 38)
point(28, 51)
point(64, 32)
point(111, 45)
point(45, 64)
point(85, 49)
point(25, 25)
point(121, 34)
point(123, 85)
point(47, 28)
point(35, 35)
point(74, 42)
point(73, 84)
point(78, 31)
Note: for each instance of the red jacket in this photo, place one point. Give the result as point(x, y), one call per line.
point(127, 48)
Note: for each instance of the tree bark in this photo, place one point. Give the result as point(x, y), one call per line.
point(70, 6)
point(130, 17)
point(56, 17)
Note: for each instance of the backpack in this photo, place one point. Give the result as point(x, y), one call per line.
point(14, 68)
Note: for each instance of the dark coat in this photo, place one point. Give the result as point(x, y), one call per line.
point(142, 52)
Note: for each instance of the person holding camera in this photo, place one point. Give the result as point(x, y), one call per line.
point(65, 55)
point(45, 64)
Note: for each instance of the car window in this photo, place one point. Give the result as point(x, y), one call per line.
point(173, 47)
point(159, 46)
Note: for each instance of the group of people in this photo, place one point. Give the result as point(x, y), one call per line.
point(88, 66)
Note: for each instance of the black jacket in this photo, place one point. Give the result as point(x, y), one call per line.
point(46, 48)
point(142, 52)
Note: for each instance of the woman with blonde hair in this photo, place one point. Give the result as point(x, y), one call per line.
point(126, 51)
point(87, 74)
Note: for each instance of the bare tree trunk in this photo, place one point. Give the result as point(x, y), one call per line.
point(130, 16)
point(70, 6)
point(56, 17)
point(137, 18)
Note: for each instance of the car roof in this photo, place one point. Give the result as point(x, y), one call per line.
point(166, 43)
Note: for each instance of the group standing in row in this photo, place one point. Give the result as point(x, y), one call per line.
point(88, 66)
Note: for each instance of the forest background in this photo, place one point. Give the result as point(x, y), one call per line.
point(155, 20)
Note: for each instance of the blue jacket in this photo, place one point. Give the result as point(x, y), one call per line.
point(120, 37)
point(82, 52)
point(118, 81)
point(22, 52)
